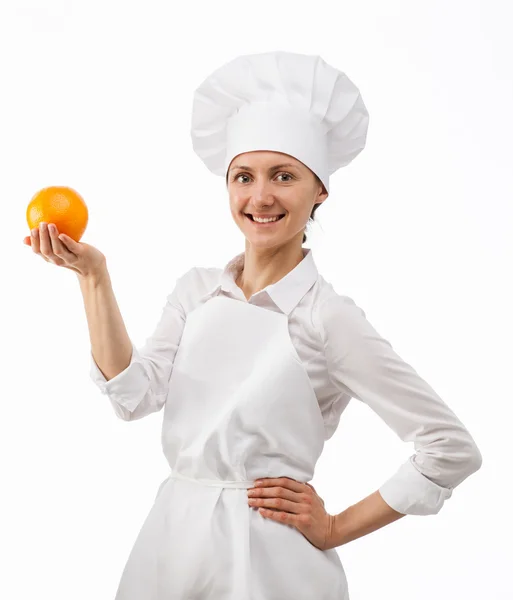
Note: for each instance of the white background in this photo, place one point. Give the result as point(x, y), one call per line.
point(417, 230)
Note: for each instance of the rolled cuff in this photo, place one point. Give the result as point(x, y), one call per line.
point(126, 388)
point(410, 492)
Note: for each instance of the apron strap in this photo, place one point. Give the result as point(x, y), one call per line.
point(214, 482)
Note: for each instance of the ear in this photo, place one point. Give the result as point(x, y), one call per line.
point(323, 194)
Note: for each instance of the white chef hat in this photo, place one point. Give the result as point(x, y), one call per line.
point(296, 104)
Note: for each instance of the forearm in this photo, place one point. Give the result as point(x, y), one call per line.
point(110, 344)
point(362, 518)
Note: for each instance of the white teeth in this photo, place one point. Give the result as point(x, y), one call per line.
point(265, 220)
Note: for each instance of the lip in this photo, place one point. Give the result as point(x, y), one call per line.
point(270, 224)
point(265, 216)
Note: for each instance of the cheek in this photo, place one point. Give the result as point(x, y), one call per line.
point(236, 204)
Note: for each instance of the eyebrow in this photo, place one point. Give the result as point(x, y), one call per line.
point(246, 168)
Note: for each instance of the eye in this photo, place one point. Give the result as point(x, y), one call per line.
point(245, 175)
point(285, 174)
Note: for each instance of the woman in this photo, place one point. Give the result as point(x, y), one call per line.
point(255, 363)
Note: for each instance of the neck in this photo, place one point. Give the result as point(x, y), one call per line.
point(262, 267)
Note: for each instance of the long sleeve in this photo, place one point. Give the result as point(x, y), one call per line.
point(364, 365)
point(142, 387)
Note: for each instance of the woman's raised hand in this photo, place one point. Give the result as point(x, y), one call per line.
point(61, 250)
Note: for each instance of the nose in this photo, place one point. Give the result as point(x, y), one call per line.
point(261, 194)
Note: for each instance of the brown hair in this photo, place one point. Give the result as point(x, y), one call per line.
point(315, 206)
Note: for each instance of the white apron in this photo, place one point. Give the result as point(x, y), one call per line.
point(240, 407)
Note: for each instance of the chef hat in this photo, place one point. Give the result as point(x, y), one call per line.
point(296, 104)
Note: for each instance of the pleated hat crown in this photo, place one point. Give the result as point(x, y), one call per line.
point(292, 103)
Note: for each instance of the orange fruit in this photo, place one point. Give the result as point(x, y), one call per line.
point(62, 206)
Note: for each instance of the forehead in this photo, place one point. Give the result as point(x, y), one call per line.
point(263, 159)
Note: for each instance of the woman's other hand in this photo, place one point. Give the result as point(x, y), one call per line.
point(289, 501)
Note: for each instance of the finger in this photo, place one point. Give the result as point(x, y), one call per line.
point(277, 492)
point(279, 515)
point(58, 248)
point(286, 482)
point(277, 504)
point(34, 240)
point(45, 244)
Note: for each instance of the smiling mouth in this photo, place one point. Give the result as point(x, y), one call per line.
point(250, 217)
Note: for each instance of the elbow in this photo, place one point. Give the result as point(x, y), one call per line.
point(135, 392)
point(139, 408)
point(469, 458)
point(475, 459)
point(120, 411)
point(468, 461)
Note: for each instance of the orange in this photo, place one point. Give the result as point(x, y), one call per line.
point(62, 206)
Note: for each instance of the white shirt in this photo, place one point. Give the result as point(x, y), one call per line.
point(344, 356)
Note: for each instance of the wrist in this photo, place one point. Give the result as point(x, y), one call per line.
point(94, 278)
point(340, 529)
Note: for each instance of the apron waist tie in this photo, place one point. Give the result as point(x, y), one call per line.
point(214, 482)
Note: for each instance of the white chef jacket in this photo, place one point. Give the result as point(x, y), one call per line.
point(345, 358)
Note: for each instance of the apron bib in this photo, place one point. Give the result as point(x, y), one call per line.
point(240, 407)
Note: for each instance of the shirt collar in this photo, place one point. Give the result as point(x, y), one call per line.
point(285, 293)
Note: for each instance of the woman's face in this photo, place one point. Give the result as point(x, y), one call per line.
point(271, 183)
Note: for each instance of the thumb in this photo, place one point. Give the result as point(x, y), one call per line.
point(69, 243)
point(315, 492)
